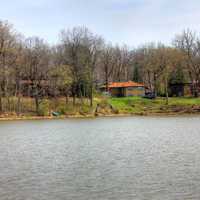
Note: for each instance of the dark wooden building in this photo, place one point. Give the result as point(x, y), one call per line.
point(180, 89)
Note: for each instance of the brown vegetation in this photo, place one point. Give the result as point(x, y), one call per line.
point(75, 67)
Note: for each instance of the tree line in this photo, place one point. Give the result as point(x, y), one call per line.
point(81, 61)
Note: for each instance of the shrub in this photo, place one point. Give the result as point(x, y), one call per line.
point(44, 108)
point(66, 109)
point(85, 109)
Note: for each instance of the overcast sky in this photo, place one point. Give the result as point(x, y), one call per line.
point(132, 22)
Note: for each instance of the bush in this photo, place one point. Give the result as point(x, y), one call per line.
point(85, 109)
point(62, 110)
point(104, 102)
point(66, 109)
point(44, 108)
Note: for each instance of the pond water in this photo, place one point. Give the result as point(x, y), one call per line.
point(140, 158)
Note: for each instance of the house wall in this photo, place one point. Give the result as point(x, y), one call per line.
point(134, 91)
point(187, 90)
point(179, 90)
point(117, 92)
point(127, 92)
point(176, 90)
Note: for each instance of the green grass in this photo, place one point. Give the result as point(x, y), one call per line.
point(139, 105)
point(107, 106)
point(185, 101)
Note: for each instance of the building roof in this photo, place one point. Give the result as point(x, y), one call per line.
point(125, 84)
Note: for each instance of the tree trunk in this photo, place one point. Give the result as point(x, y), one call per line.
point(195, 90)
point(67, 99)
point(9, 103)
point(155, 85)
point(1, 106)
point(74, 94)
point(106, 76)
point(80, 94)
point(18, 92)
point(166, 91)
point(37, 105)
point(91, 96)
point(74, 99)
point(18, 104)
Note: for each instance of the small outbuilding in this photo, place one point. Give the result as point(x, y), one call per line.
point(126, 89)
point(180, 89)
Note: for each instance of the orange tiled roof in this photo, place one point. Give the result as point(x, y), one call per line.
point(125, 84)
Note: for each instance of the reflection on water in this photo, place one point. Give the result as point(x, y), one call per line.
point(99, 159)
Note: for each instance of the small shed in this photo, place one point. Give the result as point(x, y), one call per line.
point(180, 89)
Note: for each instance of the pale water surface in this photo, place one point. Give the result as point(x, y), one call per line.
point(140, 158)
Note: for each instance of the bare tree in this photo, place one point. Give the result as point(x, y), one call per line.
point(7, 45)
point(60, 74)
point(107, 64)
point(81, 49)
point(122, 62)
point(93, 44)
point(189, 43)
point(37, 63)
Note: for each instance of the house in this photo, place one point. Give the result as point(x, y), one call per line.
point(125, 89)
point(180, 89)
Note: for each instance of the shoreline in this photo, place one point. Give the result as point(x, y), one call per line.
point(92, 116)
point(110, 107)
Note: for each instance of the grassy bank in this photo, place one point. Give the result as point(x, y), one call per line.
point(102, 107)
point(27, 108)
point(138, 105)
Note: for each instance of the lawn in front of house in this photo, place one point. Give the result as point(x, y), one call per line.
point(139, 105)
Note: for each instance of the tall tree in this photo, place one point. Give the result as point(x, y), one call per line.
point(189, 43)
point(107, 64)
point(7, 48)
point(37, 68)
